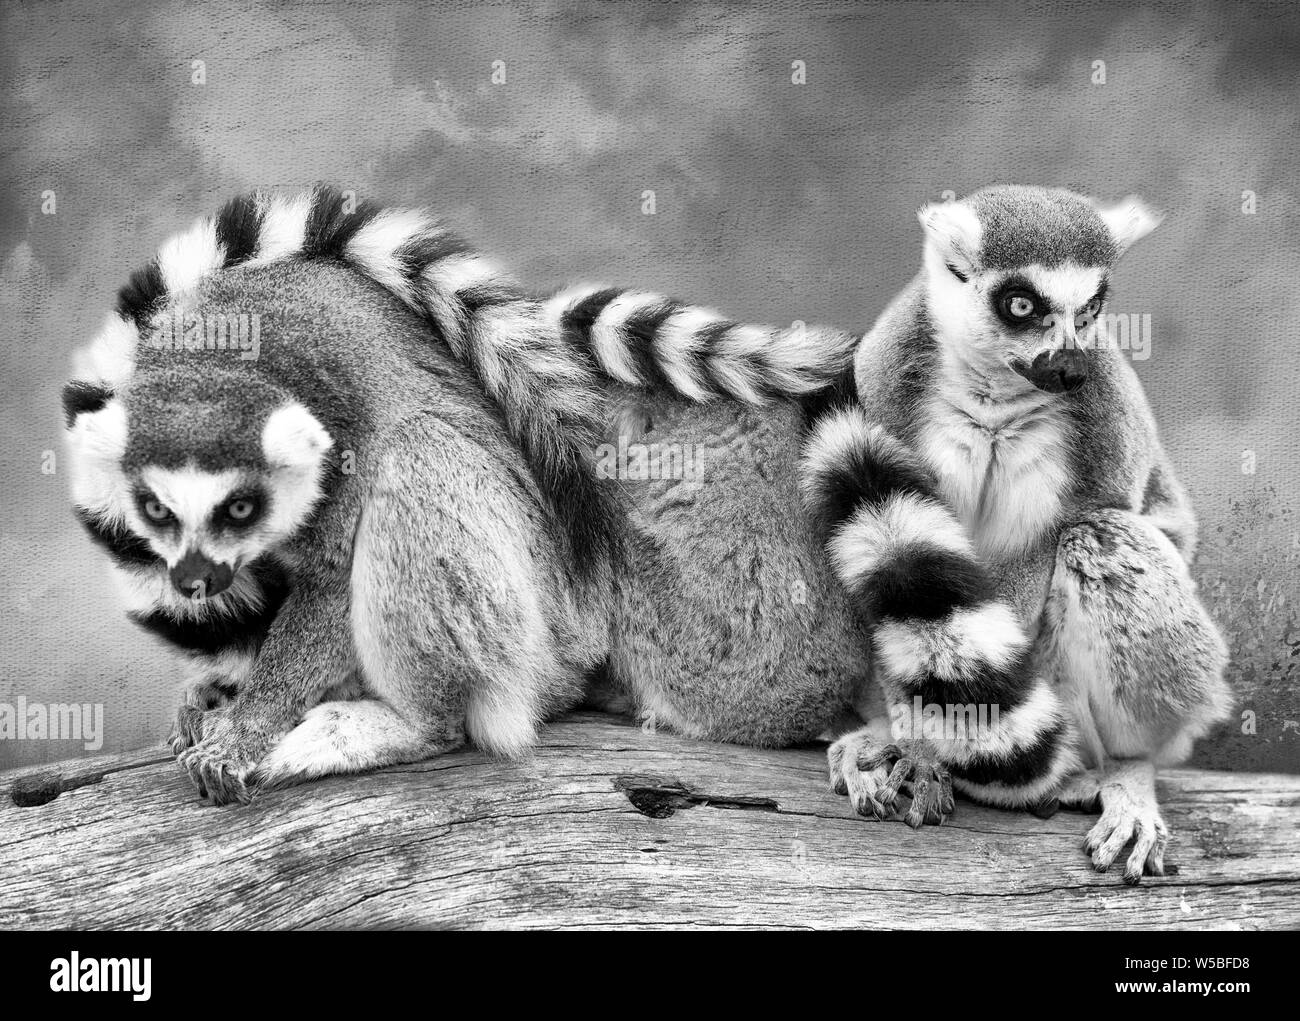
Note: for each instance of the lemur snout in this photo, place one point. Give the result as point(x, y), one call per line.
point(1061, 371)
point(197, 577)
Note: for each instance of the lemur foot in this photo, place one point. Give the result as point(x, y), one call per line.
point(1129, 812)
point(873, 772)
point(221, 762)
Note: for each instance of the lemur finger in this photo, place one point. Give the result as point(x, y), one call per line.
point(1120, 833)
point(835, 764)
point(947, 802)
point(878, 758)
point(1142, 848)
point(862, 790)
point(1155, 863)
point(901, 771)
point(187, 730)
point(918, 813)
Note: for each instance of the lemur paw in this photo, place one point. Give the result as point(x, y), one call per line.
point(201, 697)
point(221, 763)
point(873, 774)
point(187, 729)
point(1128, 816)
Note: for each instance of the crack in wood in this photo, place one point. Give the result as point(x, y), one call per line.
point(659, 798)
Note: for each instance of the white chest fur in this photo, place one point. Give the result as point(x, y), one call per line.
point(1000, 462)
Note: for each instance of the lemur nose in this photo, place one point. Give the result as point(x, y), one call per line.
point(1061, 371)
point(197, 577)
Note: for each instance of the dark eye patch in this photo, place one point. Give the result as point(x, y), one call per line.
point(222, 518)
point(142, 496)
point(1017, 287)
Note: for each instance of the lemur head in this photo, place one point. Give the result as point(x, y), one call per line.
point(1017, 276)
point(206, 468)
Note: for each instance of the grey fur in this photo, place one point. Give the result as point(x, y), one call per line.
point(1047, 226)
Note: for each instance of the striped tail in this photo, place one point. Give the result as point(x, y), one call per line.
point(647, 340)
point(940, 634)
point(547, 395)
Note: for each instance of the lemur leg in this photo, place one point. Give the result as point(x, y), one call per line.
point(451, 632)
point(1140, 665)
point(941, 636)
point(213, 682)
point(307, 648)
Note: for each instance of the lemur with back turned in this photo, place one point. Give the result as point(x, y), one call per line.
point(998, 500)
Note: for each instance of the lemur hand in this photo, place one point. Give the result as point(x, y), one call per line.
point(873, 773)
point(201, 696)
point(232, 743)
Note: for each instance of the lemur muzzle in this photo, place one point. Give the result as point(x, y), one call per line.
point(1060, 371)
point(197, 577)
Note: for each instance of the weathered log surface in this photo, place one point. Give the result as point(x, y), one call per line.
point(609, 826)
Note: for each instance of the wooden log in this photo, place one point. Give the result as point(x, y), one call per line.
point(608, 826)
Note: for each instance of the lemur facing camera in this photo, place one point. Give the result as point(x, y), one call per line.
point(999, 502)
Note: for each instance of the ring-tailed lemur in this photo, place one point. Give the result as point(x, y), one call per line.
point(345, 462)
point(998, 501)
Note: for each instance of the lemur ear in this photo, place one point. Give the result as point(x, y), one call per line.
point(293, 438)
point(954, 231)
point(1129, 220)
point(97, 422)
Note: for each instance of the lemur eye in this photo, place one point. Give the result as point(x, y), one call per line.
point(241, 510)
point(155, 511)
point(1019, 307)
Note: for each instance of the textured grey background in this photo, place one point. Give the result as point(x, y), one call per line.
point(775, 202)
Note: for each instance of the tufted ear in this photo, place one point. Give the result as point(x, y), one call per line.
point(953, 230)
point(294, 438)
point(1129, 220)
point(97, 422)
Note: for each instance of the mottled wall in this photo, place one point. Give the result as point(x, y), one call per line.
point(775, 201)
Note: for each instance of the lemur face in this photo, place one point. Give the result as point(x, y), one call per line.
point(204, 488)
point(208, 522)
point(1017, 278)
point(205, 525)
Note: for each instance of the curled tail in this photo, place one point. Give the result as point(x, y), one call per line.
point(647, 340)
point(940, 634)
point(546, 393)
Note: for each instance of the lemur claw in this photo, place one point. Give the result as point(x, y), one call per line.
point(873, 774)
point(187, 729)
point(221, 764)
point(1128, 817)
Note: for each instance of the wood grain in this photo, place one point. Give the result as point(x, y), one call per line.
point(608, 826)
